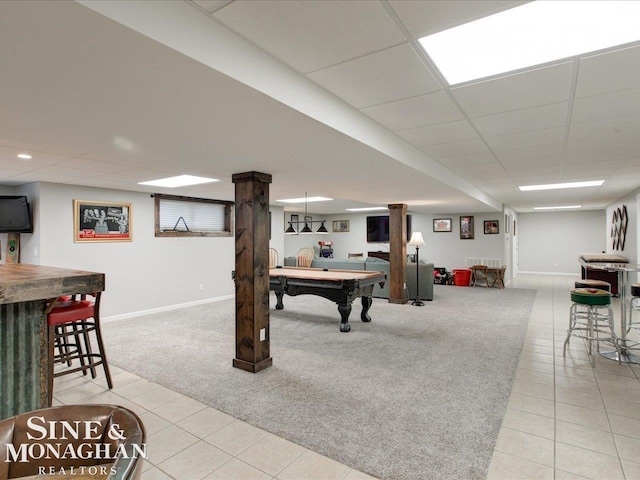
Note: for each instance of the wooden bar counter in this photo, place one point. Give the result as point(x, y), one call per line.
point(24, 351)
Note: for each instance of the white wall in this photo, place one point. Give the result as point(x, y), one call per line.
point(442, 249)
point(277, 231)
point(143, 274)
point(550, 242)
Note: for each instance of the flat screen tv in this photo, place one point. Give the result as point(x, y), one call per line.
point(378, 228)
point(15, 215)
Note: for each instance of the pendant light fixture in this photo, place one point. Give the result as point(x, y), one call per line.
point(306, 230)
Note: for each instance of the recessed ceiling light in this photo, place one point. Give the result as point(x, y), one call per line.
point(531, 34)
point(302, 200)
point(25, 156)
point(366, 209)
point(563, 207)
point(179, 181)
point(555, 186)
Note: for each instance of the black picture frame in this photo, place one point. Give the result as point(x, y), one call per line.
point(441, 225)
point(466, 227)
point(491, 227)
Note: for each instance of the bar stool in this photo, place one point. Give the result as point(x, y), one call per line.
point(590, 283)
point(70, 322)
point(589, 323)
point(634, 304)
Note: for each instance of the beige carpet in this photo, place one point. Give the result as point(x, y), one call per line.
point(419, 393)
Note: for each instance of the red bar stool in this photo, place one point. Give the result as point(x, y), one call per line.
point(70, 323)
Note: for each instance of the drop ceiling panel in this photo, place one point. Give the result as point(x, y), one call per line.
point(536, 118)
point(579, 152)
point(607, 107)
point(424, 18)
point(537, 138)
point(547, 154)
point(609, 72)
point(466, 160)
point(309, 36)
point(377, 78)
point(415, 112)
point(514, 92)
point(440, 133)
point(455, 149)
point(211, 5)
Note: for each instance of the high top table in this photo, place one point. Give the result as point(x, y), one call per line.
point(622, 270)
point(25, 291)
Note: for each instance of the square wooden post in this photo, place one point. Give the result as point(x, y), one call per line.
point(252, 271)
point(397, 253)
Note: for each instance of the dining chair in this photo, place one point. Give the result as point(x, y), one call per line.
point(273, 258)
point(305, 257)
point(481, 273)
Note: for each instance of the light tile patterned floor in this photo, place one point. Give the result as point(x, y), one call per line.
point(564, 420)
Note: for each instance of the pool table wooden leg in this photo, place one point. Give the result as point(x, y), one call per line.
point(279, 295)
point(366, 305)
point(345, 310)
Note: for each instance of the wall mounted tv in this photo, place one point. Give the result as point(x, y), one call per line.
point(378, 228)
point(15, 216)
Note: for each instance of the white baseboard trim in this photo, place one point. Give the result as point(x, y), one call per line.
point(168, 308)
point(572, 274)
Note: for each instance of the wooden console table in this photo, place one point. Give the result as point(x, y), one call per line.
point(382, 255)
point(24, 340)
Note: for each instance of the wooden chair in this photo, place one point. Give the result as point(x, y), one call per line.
point(479, 272)
point(356, 255)
point(499, 279)
point(305, 257)
point(273, 258)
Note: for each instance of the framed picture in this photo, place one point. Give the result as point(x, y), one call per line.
point(441, 224)
point(101, 221)
point(491, 227)
point(308, 220)
point(466, 228)
point(340, 225)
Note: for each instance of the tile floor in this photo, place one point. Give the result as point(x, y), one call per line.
point(564, 420)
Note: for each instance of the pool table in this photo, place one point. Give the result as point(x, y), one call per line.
point(340, 286)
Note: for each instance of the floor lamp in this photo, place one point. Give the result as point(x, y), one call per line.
point(417, 241)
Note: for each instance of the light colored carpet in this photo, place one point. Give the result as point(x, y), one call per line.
point(419, 393)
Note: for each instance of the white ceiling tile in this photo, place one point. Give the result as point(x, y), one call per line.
point(455, 149)
point(211, 5)
point(606, 107)
point(424, 18)
point(93, 166)
point(309, 36)
point(547, 154)
point(535, 118)
point(440, 133)
point(547, 136)
point(415, 112)
point(467, 160)
point(381, 77)
point(513, 92)
point(580, 152)
point(609, 72)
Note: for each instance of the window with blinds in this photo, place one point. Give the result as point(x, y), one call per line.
point(192, 217)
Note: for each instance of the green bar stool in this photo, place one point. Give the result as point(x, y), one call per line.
point(591, 318)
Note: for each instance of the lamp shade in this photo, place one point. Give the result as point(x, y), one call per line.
point(306, 230)
point(322, 230)
point(290, 230)
point(416, 240)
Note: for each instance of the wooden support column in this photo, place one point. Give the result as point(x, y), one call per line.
point(252, 271)
point(397, 253)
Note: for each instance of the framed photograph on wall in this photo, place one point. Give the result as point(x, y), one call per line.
point(491, 227)
point(101, 221)
point(340, 226)
point(466, 228)
point(308, 219)
point(441, 224)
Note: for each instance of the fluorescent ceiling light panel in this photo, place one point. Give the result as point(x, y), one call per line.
point(179, 181)
point(303, 200)
point(556, 186)
point(531, 34)
point(366, 209)
point(24, 156)
point(563, 207)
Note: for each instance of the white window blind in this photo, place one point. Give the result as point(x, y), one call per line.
point(191, 216)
